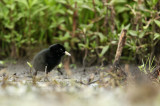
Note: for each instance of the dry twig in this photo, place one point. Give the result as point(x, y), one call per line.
point(121, 43)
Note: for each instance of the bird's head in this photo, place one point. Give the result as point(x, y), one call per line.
point(58, 50)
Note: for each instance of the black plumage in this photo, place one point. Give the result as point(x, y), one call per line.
point(48, 58)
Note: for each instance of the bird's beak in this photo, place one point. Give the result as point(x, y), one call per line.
point(66, 53)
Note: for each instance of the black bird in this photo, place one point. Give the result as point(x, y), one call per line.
point(48, 58)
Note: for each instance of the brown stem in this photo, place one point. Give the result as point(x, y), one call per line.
point(74, 20)
point(85, 56)
point(121, 44)
point(94, 7)
point(86, 51)
point(67, 68)
point(105, 24)
point(112, 18)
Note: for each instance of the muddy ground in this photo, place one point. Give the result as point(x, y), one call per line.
point(76, 87)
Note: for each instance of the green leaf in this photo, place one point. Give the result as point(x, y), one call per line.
point(145, 27)
point(32, 3)
point(141, 35)
point(155, 2)
point(104, 50)
point(81, 45)
point(101, 36)
point(127, 26)
point(132, 32)
point(67, 46)
point(149, 22)
point(38, 10)
point(29, 64)
point(157, 22)
point(121, 9)
point(63, 38)
point(87, 7)
point(152, 2)
point(156, 36)
point(24, 2)
point(93, 44)
point(60, 65)
point(2, 62)
point(75, 40)
point(113, 2)
point(62, 1)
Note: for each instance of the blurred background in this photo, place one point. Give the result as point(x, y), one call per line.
point(89, 29)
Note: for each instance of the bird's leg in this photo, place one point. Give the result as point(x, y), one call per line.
point(46, 74)
point(59, 70)
point(35, 73)
point(34, 77)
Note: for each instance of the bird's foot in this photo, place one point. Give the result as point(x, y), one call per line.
point(59, 70)
point(46, 79)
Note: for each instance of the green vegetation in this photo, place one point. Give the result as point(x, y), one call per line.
point(83, 26)
point(150, 67)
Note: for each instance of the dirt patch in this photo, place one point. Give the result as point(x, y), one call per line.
point(18, 87)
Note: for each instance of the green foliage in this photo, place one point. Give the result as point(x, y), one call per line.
point(79, 25)
point(29, 64)
point(147, 67)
